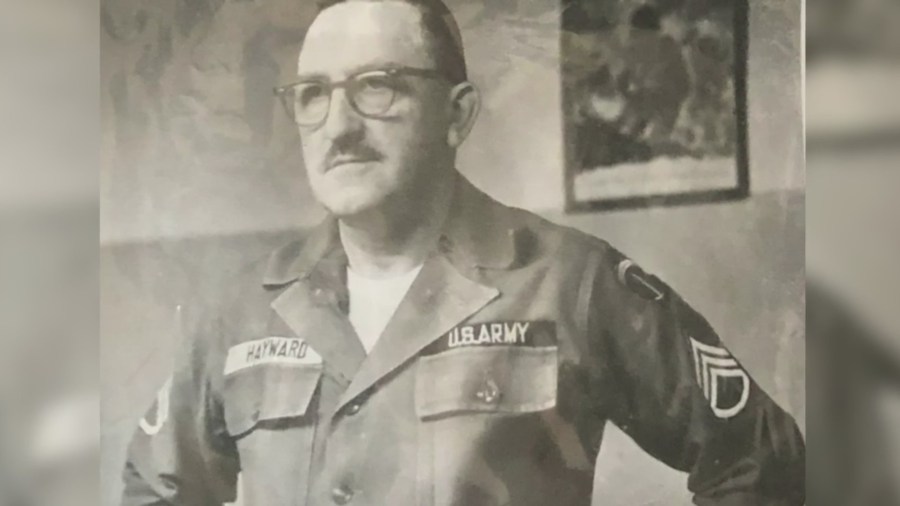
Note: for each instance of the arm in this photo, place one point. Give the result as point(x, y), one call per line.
point(180, 453)
point(684, 399)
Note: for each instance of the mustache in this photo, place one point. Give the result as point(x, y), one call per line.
point(357, 151)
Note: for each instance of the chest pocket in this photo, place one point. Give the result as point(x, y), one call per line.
point(497, 379)
point(480, 412)
point(267, 394)
point(270, 411)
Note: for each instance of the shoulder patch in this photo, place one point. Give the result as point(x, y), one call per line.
point(270, 350)
point(638, 281)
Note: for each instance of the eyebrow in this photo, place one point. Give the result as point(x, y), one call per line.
point(368, 67)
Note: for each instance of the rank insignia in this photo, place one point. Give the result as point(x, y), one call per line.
point(161, 411)
point(725, 384)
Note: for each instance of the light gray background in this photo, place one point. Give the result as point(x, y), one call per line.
point(201, 173)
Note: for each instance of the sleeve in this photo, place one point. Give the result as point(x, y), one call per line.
point(682, 396)
point(180, 453)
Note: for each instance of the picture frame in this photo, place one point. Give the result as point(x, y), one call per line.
point(654, 101)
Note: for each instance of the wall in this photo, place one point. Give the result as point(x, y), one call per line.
point(188, 120)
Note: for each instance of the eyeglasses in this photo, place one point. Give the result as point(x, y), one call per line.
point(370, 93)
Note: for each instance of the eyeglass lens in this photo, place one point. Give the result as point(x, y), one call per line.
point(370, 94)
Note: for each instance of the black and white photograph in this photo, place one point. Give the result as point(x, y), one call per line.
point(341, 263)
point(449, 252)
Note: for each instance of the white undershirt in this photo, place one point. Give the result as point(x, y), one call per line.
point(373, 301)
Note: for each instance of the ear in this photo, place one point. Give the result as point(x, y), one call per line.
point(465, 103)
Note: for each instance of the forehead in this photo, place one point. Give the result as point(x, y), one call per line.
point(355, 35)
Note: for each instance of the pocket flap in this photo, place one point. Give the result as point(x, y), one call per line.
point(501, 379)
point(268, 392)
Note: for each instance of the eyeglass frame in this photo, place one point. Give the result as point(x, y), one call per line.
point(283, 91)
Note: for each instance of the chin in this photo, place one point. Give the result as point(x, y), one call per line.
point(346, 202)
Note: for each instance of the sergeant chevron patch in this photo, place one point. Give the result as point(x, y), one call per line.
point(160, 411)
point(725, 384)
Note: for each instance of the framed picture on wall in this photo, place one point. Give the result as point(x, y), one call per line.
point(654, 102)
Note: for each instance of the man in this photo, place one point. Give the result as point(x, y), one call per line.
point(427, 345)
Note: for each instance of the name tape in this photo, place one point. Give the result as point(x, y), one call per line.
point(291, 351)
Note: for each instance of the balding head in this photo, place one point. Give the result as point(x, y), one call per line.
point(440, 31)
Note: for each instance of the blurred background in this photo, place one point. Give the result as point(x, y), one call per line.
point(853, 242)
point(49, 268)
point(202, 173)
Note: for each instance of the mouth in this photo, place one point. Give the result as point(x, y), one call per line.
point(348, 160)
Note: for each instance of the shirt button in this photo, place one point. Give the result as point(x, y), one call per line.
point(341, 495)
point(489, 392)
point(353, 408)
point(444, 244)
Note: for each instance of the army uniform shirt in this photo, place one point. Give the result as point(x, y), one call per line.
point(491, 384)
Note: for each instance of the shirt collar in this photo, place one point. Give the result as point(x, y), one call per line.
point(478, 232)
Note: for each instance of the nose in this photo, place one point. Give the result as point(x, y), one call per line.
point(342, 119)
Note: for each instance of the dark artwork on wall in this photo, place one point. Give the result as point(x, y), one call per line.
point(654, 102)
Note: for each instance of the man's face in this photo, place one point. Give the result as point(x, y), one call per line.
point(355, 162)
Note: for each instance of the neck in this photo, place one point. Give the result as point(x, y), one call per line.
point(397, 237)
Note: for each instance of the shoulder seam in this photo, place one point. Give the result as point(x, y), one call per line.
point(586, 293)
